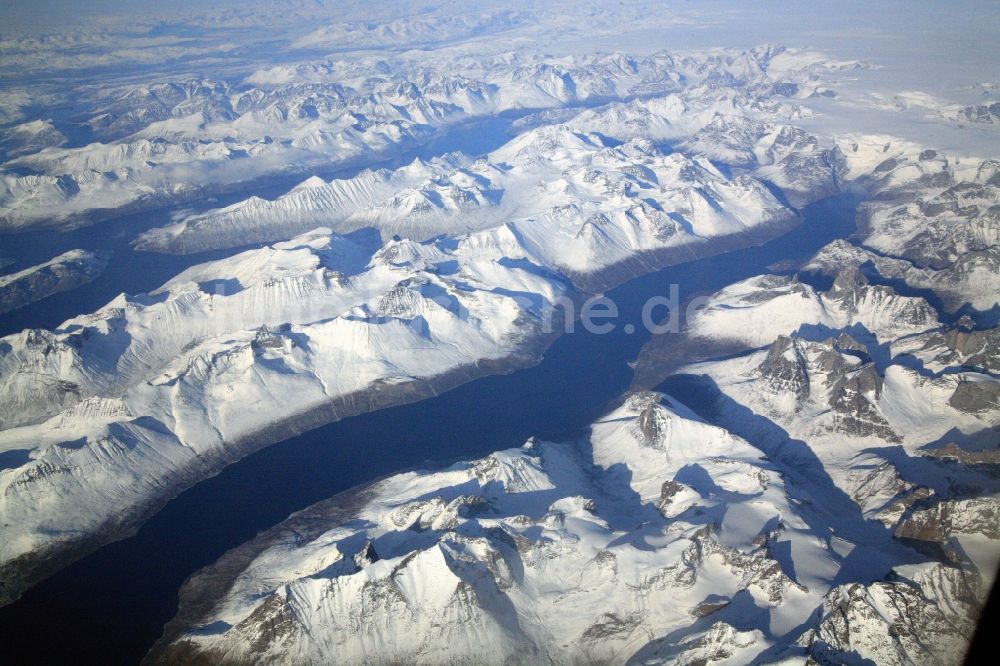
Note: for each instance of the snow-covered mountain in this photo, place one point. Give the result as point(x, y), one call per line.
point(117, 411)
point(957, 346)
point(823, 565)
point(30, 137)
point(857, 360)
point(930, 224)
point(528, 175)
point(396, 199)
point(577, 204)
point(757, 310)
point(532, 555)
point(657, 538)
point(170, 142)
point(895, 415)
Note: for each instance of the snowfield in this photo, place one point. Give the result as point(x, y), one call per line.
point(175, 141)
point(657, 539)
point(118, 410)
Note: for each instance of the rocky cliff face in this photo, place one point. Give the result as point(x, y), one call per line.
point(896, 416)
point(929, 227)
point(927, 619)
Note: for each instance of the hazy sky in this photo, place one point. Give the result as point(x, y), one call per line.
point(59, 13)
point(926, 44)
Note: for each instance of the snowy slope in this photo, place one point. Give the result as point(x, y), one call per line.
point(656, 539)
point(756, 311)
point(172, 141)
point(30, 137)
point(577, 204)
point(931, 225)
point(116, 411)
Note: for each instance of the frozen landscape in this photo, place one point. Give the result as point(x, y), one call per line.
point(328, 274)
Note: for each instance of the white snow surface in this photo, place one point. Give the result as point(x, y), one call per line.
point(575, 202)
point(658, 538)
point(115, 409)
point(176, 140)
point(534, 555)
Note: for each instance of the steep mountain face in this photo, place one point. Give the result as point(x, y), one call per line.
point(865, 394)
point(847, 387)
point(988, 114)
point(579, 203)
point(969, 282)
point(841, 400)
point(530, 555)
point(938, 351)
point(933, 233)
point(926, 616)
point(658, 538)
point(172, 141)
point(62, 273)
point(857, 361)
point(118, 410)
point(930, 224)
